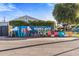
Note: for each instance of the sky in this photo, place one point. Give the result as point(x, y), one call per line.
point(41, 11)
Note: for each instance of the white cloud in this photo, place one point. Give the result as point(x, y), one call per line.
point(50, 4)
point(11, 6)
point(7, 7)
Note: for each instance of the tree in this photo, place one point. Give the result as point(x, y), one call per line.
point(32, 23)
point(18, 23)
point(77, 21)
point(65, 12)
point(41, 23)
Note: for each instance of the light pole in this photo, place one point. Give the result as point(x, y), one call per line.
point(4, 19)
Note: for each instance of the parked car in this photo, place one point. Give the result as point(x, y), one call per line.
point(75, 29)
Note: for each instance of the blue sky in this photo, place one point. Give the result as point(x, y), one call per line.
point(41, 11)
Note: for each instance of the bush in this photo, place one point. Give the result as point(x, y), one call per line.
point(18, 23)
point(31, 23)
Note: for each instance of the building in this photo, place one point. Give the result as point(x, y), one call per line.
point(26, 18)
point(3, 28)
point(22, 31)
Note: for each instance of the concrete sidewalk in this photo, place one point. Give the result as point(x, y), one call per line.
point(31, 42)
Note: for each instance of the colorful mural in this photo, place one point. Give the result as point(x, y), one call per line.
point(31, 31)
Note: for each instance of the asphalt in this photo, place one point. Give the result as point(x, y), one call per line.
point(12, 45)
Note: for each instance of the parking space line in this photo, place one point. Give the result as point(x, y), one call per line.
point(66, 51)
point(37, 45)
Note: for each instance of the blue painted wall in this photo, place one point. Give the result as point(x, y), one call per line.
point(23, 31)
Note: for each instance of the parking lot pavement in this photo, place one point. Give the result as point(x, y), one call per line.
point(38, 46)
point(7, 44)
